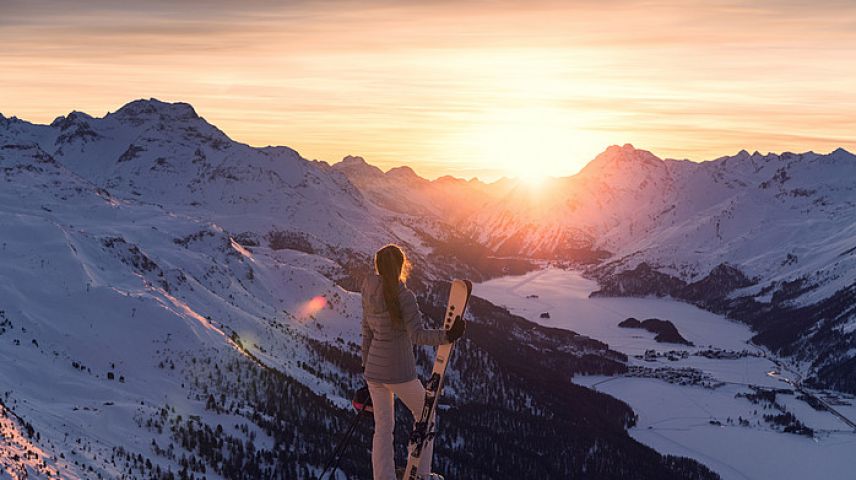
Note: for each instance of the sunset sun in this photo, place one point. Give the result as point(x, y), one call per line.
point(531, 143)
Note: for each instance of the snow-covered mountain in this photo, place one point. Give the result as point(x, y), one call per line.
point(117, 315)
point(613, 196)
point(761, 212)
point(175, 304)
point(778, 217)
point(166, 154)
point(760, 237)
point(401, 190)
point(768, 239)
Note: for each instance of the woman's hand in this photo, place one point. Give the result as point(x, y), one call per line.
point(457, 330)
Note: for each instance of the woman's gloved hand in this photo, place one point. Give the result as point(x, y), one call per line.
point(457, 330)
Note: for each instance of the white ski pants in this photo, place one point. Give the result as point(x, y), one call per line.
point(383, 402)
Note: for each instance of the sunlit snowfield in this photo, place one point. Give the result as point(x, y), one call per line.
point(676, 418)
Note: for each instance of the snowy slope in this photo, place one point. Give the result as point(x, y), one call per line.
point(164, 153)
point(616, 194)
point(170, 279)
point(111, 304)
point(172, 306)
point(777, 217)
point(768, 239)
point(145, 251)
point(400, 189)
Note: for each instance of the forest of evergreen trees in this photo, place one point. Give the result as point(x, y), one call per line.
point(502, 417)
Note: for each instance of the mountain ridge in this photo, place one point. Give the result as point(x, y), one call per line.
point(170, 275)
point(175, 304)
point(642, 225)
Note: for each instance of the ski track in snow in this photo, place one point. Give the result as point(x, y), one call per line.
point(673, 418)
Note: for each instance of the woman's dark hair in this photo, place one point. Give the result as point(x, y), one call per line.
point(393, 267)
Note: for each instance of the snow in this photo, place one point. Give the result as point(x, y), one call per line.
point(564, 294)
point(98, 281)
point(786, 221)
point(675, 418)
point(775, 217)
point(144, 239)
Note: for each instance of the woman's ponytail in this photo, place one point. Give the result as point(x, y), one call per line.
point(392, 266)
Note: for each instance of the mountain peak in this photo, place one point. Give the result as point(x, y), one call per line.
point(841, 152)
point(403, 172)
point(448, 179)
point(70, 120)
point(627, 148)
point(627, 151)
point(353, 160)
point(154, 108)
point(356, 168)
point(622, 156)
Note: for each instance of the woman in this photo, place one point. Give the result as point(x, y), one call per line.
point(391, 324)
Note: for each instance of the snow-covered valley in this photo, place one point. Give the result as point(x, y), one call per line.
point(767, 239)
point(694, 401)
point(176, 304)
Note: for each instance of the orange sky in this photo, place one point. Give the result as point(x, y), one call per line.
point(483, 88)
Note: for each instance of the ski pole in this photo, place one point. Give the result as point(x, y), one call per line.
point(334, 458)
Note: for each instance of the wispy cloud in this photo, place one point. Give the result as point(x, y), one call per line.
point(474, 88)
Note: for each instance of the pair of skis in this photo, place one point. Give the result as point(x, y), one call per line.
point(423, 430)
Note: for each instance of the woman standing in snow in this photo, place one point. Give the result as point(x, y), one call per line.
point(392, 324)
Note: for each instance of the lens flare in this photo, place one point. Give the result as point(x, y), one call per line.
point(312, 306)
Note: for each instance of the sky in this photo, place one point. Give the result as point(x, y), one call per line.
point(466, 88)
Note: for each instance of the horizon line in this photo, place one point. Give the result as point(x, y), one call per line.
point(411, 167)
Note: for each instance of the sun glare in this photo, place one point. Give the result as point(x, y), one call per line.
point(533, 181)
point(531, 144)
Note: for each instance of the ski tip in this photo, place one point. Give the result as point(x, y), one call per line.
point(468, 284)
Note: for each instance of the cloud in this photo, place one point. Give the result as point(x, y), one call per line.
point(425, 83)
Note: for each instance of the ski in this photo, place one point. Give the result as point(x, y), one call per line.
point(423, 430)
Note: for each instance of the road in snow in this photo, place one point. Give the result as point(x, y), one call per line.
point(676, 419)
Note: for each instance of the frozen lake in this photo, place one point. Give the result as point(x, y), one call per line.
point(689, 420)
